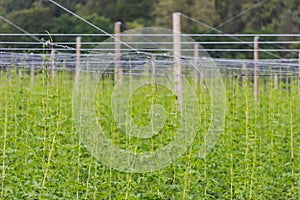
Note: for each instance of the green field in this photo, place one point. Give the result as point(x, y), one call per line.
point(41, 156)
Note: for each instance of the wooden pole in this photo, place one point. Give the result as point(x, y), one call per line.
point(9, 71)
point(299, 71)
point(78, 46)
point(196, 58)
point(32, 73)
point(256, 68)
point(275, 80)
point(117, 51)
point(52, 58)
point(177, 57)
point(19, 73)
point(244, 75)
point(153, 57)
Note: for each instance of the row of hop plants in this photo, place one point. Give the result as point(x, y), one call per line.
point(256, 157)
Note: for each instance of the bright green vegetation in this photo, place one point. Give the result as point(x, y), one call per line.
point(257, 156)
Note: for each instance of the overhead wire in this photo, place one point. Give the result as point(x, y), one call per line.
point(226, 34)
point(33, 36)
point(92, 25)
point(237, 16)
point(215, 28)
point(126, 44)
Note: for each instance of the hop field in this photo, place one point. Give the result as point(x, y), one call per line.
point(256, 157)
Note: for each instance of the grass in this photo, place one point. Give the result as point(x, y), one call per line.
point(257, 156)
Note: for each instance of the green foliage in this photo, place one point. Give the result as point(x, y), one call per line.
point(29, 21)
point(227, 9)
point(39, 16)
point(69, 24)
point(11, 5)
point(121, 10)
point(256, 157)
point(203, 10)
point(274, 15)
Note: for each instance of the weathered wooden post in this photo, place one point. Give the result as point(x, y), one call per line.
point(177, 58)
point(52, 59)
point(78, 46)
point(275, 80)
point(153, 57)
point(19, 73)
point(299, 71)
point(117, 51)
point(32, 72)
point(244, 75)
point(77, 64)
point(9, 71)
point(256, 68)
point(196, 58)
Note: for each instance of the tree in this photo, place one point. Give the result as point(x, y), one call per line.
point(73, 5)
point(202, 10)
point(274, 15)
point(12, 5)
point(289, 20)
point(70, 24)
point(264, 16)
point(135, 13)
point(33, 20)
point(227, 9)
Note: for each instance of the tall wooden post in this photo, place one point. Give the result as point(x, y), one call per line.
point(299, 71)
point(52, 58)
point(117, 51)
point(177, 58)
point(275, 80)
point(256, 68)
point(19, 73)
point(32, 72)
point(196, 58)
point(153, 57)
point(9, 71)
point(244, 75)
point(78, 46)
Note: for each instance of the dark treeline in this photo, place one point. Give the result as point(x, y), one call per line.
point(41, 16)
point(274, 16)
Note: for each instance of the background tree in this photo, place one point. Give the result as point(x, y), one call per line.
point(267, 16)
point(202, 10)
point(33, 20)
point(39, 16)
point(227, 9)
point(134, 13)
point(12, 5)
